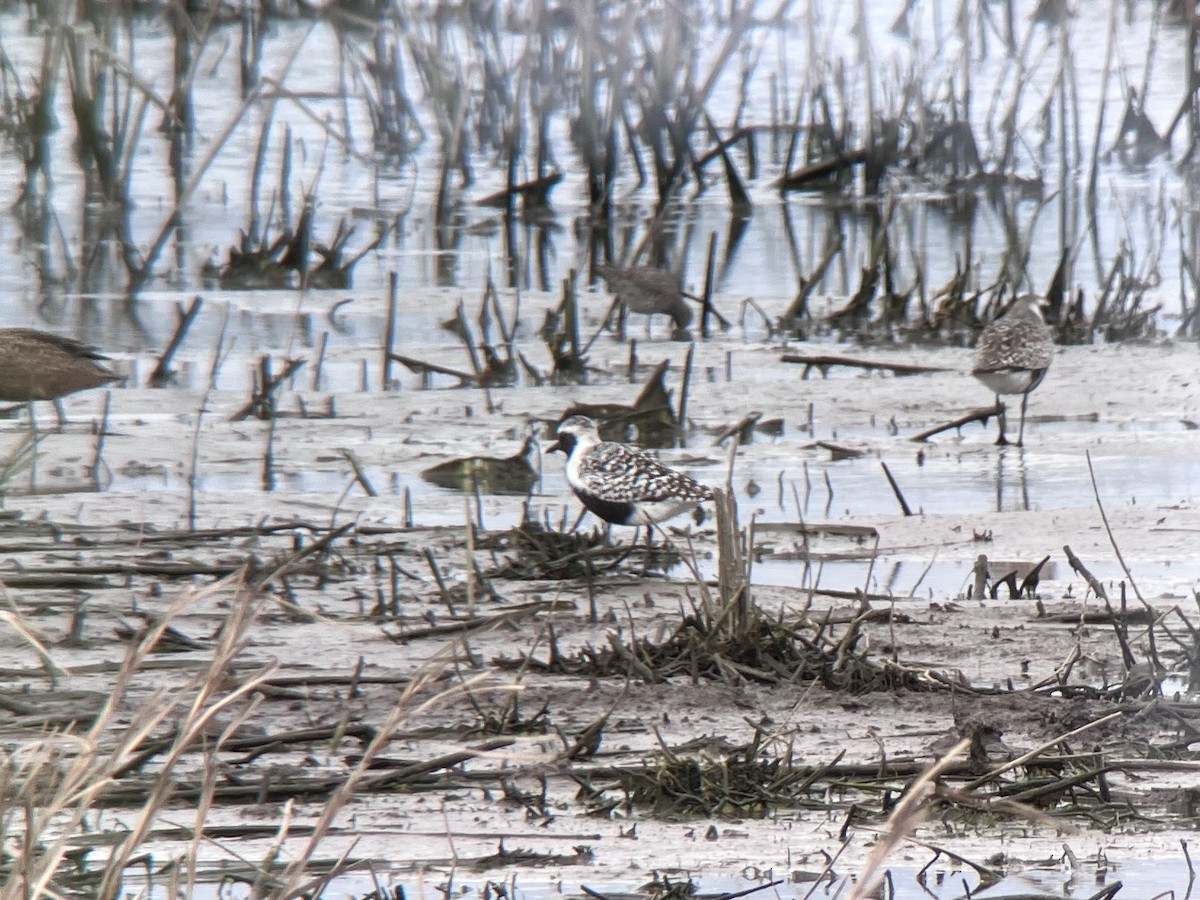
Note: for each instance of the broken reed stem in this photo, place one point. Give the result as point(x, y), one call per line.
point(268, 467)
point(1108, 529)
point(98, 455)
point(980, 571)
point(389, 335)
point(571, 313)
point(319, 365)
point(441, 581)
point(162, 370)
point(470, 573)
point(896, 489)
point(1095, 168)
point(684, 390)
point(194, 472)
point(468, 339)
point(733, 589)
point(359, 475)
point(709, 277)
point(262, 401)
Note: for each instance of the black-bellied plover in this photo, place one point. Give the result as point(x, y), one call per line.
point(1013, 355)
point(35, 365)
point(622, 484)
point(649, 291)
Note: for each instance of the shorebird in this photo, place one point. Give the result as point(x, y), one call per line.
point(622, 484)
point(1013, 355)
point(35, 365)
point(648, 291)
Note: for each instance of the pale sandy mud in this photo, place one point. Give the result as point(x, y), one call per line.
point(112, 553)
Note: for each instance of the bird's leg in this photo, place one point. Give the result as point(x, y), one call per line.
point(58, 411)
point(1002, 420)
point(622, 315)
point(649, 550)
point(614, 309)
point(1021, 432)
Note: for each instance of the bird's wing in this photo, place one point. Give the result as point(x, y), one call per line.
point(30, 340)
point(618, 473)
point(1013, 345)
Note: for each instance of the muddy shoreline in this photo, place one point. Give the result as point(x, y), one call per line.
point(347, 629)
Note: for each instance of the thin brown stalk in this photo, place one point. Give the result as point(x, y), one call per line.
point(907, 815)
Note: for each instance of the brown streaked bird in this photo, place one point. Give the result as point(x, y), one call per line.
point(35, 365)
point(649, 291)
point(1013, 356)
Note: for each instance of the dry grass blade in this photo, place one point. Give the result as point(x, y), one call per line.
point(17, 624)
point(293, 880)
point(60, 778)
point(908, 814)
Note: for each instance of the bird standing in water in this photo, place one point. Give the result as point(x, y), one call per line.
point(35, 365)
point(1013, 356)
point(649, 291)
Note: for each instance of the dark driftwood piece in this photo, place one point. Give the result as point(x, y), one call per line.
point(1078, 566)
point(1030, 582)
point(799, 304)
point(256, 744)
point(743, 428)
point(840, 451)
point(1097, 617)
point(804, 177)
point(825, 362)
point(651, 412)
point(402, 774)
point(422, 368)
point(896, 489)
point(162, 369)
point(135, 790)
point(534, 192)
point(475, 623)
point(980, 415)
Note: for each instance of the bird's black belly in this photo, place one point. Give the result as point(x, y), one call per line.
point(617, 512)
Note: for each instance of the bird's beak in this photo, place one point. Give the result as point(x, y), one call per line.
point(556, 447)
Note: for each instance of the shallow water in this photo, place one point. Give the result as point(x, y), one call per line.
point(761, 263)
point(1132, 408)
point(1050, 879)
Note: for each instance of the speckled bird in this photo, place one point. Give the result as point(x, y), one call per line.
point(622, 484)
point(35, 365)
point(1014, 354)
point(648, 291)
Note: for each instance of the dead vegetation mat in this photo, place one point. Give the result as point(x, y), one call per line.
point(331, 751)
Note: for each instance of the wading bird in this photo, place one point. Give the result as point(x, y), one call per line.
point(35, 366)
point(1013, 355)
point(649, 291)
point(622, 484)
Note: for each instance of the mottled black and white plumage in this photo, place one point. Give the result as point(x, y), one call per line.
point(622, 484)
point(1013, 355)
